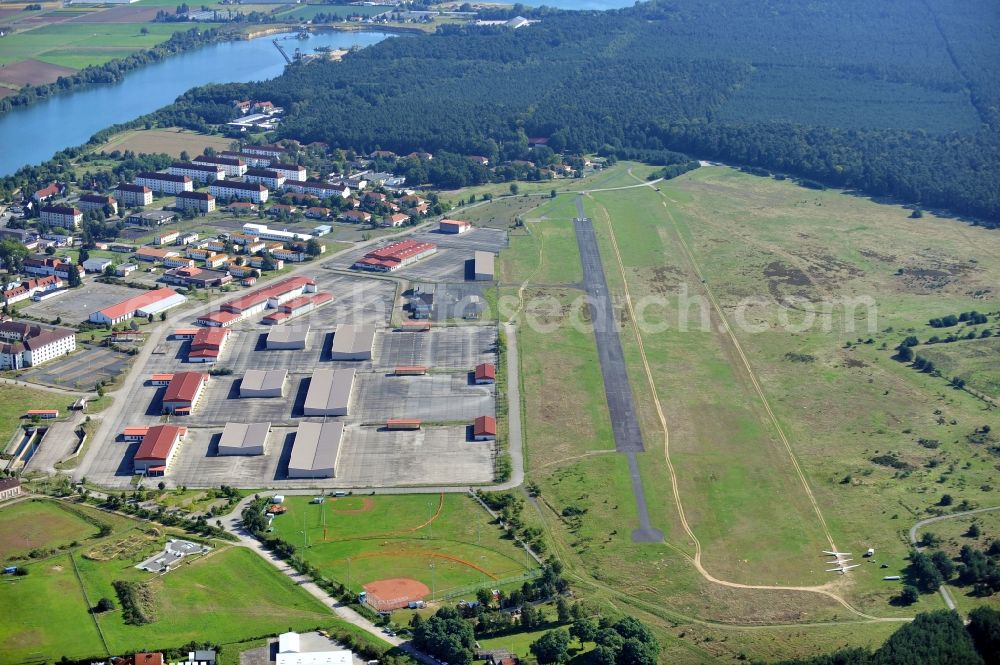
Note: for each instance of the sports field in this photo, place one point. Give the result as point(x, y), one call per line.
point(731, 401)
point(231, 593)
point(39, 525)
point(442, 541)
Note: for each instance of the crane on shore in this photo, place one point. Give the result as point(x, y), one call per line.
point(281, 51)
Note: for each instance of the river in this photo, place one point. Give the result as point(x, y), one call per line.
point(33, 134)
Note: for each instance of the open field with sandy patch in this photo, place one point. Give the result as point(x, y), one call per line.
point(171, 141)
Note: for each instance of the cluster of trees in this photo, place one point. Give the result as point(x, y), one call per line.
point(626, 641)
point(977, 568)
point(510, 507)
point(972, 318)
point(932, 637)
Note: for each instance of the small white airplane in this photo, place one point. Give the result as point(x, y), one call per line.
point(842, 569)
point(837, 562)
point(836, 554)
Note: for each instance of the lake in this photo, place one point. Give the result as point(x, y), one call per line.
point(33, 134)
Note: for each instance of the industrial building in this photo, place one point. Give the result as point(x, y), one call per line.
point(296, 307)
point(263, 383)
point(291, 652)
point(157, 449)
point(244, 438)
point(272, 296)
point(150, 302)
point(183, 392)
point(395, 256)
point(287, 337)
point(316, 450)
point(484, 428)
point(206, 346)
point(353, 343)
point(482, 266)
point(329, 392)
point(453, 226)
point(485, 374)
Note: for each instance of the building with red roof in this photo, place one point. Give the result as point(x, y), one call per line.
point(271, 296)
point(183, 392)
point(484, 428)
point(157, 449)
point(150, 302)
point(486, 373)
point(395, 256)
point(206, 347)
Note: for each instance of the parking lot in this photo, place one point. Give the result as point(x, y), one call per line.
point(370, 456)
point(449, 263)
point(80, 370)
point(453, 348)
point(77, 306)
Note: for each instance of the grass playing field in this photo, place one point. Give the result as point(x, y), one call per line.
point(839, 405)
point(29, 525)
point(231, 594)
point(446, 542)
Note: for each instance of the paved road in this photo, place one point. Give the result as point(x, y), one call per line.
point(940, 518)
point(515, 444)
point(621, 401)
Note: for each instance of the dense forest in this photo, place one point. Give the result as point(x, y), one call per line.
point(898, 98)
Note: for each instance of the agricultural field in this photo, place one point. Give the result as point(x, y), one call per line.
point(445, 542)
point(231, 592)
point(839, 402)
point(76, 45)
point(170, 140)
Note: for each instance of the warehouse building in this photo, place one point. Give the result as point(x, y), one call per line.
point(484, 428)
point(482, 266)
point(206, 346)
point(353, 343)
point(316, 450)
point(244, 438)
point(454, 226)
point(329, 392)
point(150, 302)
point(485, 374)
point(287, 337)
point(263, 383)
point(183, 392)
point(395, 256)
point(157, 449)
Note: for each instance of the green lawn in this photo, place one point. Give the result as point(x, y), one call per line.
point(372, 538)
point(544, 252)
point(975, 361)
point(32, 524)
point(15, 400)
point(229, 595)
point(839, 404)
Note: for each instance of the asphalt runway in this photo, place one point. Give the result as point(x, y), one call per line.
point(621, 402)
